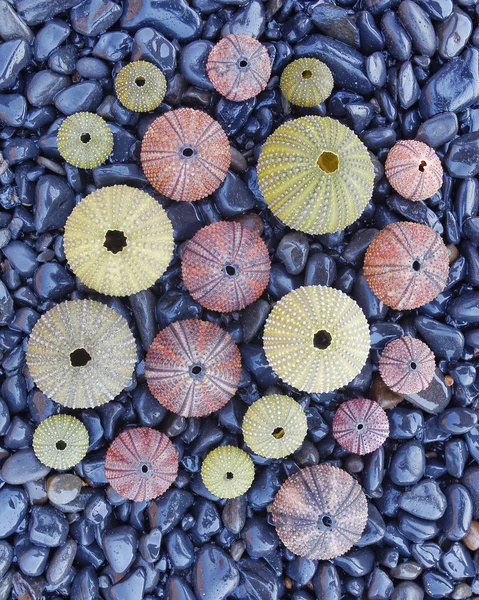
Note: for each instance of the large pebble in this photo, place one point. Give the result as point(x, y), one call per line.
point(48, 526)
point(462, 158)
point(326, 582)
point(335, 22)
point(408, 464)
point(13, 109)
point(132, 586)
point(12, 27)
point(120, 545)
point(167, 511)
point(39, 11)
point(61, 562)
point(419, 27)
point(457, 519)
point(150, 45)
point(438, 130)
point(435, 397)
point(13, 508)
point(14, 56)
point(257, 580)
point(457, 562)
point(85, 96)
point(63, 488)
point(178, 589)
point(424, 500)
point(249, 20)
point(192, 63)
point(22, 467)
point(215, 574)
point(260, 538)
point(180, 550)
point(445, 341)
point(397, 39)
point(50, 37)
point(464, 309)
point(94, 17)
point(54, 201)
point(44, 86)
point(233, 197)
point(453, 34)
point(52, 281)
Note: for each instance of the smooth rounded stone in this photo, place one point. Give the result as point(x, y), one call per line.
point(406, 570)
point(326, 582)
point(418, 25)
point(94, 17)
point(14, 56)
point(370, 37)
point(404, 423)
point(356, 249)
point(456, 454)
point(177, 589)
point(207, 521)
point(281, 282)
point(168, 510)
point(453, 34)
point(356, 563)
point(18, 150)
point(438, 10)
point(192, 63)
point(380, 137)
point(457, 519)
point(293, 250)
point(4, 417)
point(467, 200)
point(39, 11)
point(415, 529)
point(234, 514)
point(471, 230)
point(63, 60)
point(380, 585)
point(81, 97)
point(90, 67)
point(360, 114)
point(50, 37)
point(249, 21)
point(407, 590)
point(424, 500)
point(232, 116)
point(464, 309)
point(153, 47)
point(54, 201)
point(63, 488)
point(32, 560)
point(335, 22)
point(85, 585)
point(301, 570)
point(435, 398)
point(438, 130)
point(427, 554)
point(470, 480)
point(44, 86)
point(233, 197)
point(6, 305)
point(61, 562)
point(215, 574)
point(132, 586)
point(143, 307)
point(457, 420)
point(397, 39)
point(118, 174)
point(408, 87)
point(257, 580)
point(113, 46)
point(22, 467)
point(375, 527)
point(372, 307)
point(180, 550)
point(320, 270)
point(97, 509)
point(6, 558)
point(407, 464)
point(12, 27)
point(457, 562)
point(120, 545)
point(14, 393)
point(462, 158)
point(260, 538)
point(52, 282)
point(13, 109)
point(19, 434)
point(445, 341)
point(13, 508)
point(149, 545)
point(48, 526)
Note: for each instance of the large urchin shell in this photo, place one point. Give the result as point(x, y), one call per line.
point(307, 82)
point(320, 512)
point(361, 426)
point(84, 140)
point(239, 67)
point(316, 339)
point(407, 365)
point(140, 86)
point(225, 266)
point(60, 442)
point(227, 472)
point(193, 367)
point(414, 170)
point(81, 353)
point(274, 426)
point(118, 240)
point(185, 154)
point(141, 464)
point(406, 265)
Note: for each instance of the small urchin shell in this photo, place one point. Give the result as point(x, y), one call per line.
point(406, 265)
point(316, 339)
point(225, 266)
point(414, 170)
point(361, 426)
point(118, 240)
point(141, 464)
point(239, 67)
point(320, 512)
point(84, 140)
point(185, 154)
point(140, 86)
point(307, 82)
point(407, 365)
point(60, 442)
point(193, 367)
point(315, 175)
point(274, 426)
point(227, 472)
point(81, 353)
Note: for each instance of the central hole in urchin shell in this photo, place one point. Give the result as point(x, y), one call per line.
point(231, 270)
point(79, 357)
point(85, 137)
point(325, 522)
point(422, 166)
point(187, 152)
point(144, 469)
point(115, 241)
point(322, 339)
point(360, 426)
point(413, 365)
point(328, 162)
point(416, 265)
point(140, 81)
point(278, 433)
point(229, 475)
point(243, 63)
point(60, 445)
point(306, 74)
point(197, 371)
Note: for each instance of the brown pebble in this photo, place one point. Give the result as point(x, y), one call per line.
point(63, 488)
point(449, 380)
point(385, 397)
point(288, 583)
point(239, 164)
point(251, 220)
point(472, 538)
point(354, 464)
point(453, 253)
point(237, 550)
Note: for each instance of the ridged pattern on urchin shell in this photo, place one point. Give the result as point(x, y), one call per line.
point(320, 512)
point(300, 192)
point(289, 339)
point(225, 71)
point(407, 365)
point(218, 249)
point(60, 442)
point(414, 170)
point(140, 98)
point(390, 261)
point(193, 367)
point(88, 325)
point(141, 464)
point(188, 176)
point(310, 89)
point(223, 461)
point(89, 154)
point(361, 426)
point(149, 240)
point(274, 426)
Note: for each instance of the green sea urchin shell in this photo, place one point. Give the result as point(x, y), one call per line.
point(227, 472)
point(315, 174)
point(60, 442)
point(140, 86)
point(307, 82)
point(316, 339)
point(84, 140)
point(274, 426)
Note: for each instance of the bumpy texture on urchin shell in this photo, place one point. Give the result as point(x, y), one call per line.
point(360, 425)
point(390, 260)
point(298, 191)
point(96, 328)
point(181, 348)
point(71, 436)
point(269, 414)
point(414, 170)
point(141, 464)
point(212, 252)
point(307, 91)
point(90, 154)
point(223, 460)
point(229, 78)
point(142, 98)
point(289, 339)
point(311, 495)
point(179, 176)
point(407, 365)
point(149, 240)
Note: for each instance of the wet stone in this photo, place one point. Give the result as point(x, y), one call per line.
point(150, 45)
point(397, 40)
point(13, 109)
point(438, 130)
point(14, 56)
point(50, 37)
point(54, 201)
point(418, 25)
point(13, 508)
point(233, 197)
point(120, 545)
point(416, 529)
point(12, 27)
point(94, 17)
point(23, 466)
point(462, 158)
point(407, 590)
point(249, 20)
point(356, 563)
point(92, 68)
point(407, 464)
point(457, 519)
point(326, 582)
point(192, 63)
point(434, 398)
point(234, 514)
point(464, 309)
point(85, 585)
point(48, 527)
point(113, 46)
point(63, 488)
point(131, 587)
point(44, 86)
point(424, 500)
point(180, 549)
point(334, 22)
point(453, 34)
point(404, 423)
point(215, 574)
point(85, 96)
point(457, 420)
point(63, 60)
point(458, 562)
point(53, 282)
point(168, 510)
point(61, 562)
point(445, 341)
point(260, 538)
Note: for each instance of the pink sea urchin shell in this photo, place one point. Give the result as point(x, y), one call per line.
point(407, 365)
point(360, 425)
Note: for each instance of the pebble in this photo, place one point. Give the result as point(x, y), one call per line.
point(150, 45)
point(438, 10)
point(260, 538)
point(90, 67)
point(94, 17)
point(445, 341)
point(81, 97)
point(113, 46)
point(85, 585)
point(48, 527)
point(424, 500)
point(14, 56)
point(464, 309)
point(50, 37)
point(132, 586)
point(453, 34)
point(44, 86)
point(13, 109)
point(52, 281)
point(397, 40)
point(326, 582)
point(249, 21)
point(438, 130)
point(457, 519)
point(407, 590)
point(12, 27)
point(457, 562)
point(120, 545)
point(192, 63)
point(370, 37)
point(434, 398)
point(32, 560)
point(335, 22)
point(63, 488)
point(22, 467)
point(408, 464)
point(54, 201)
point(380, 586)
point(177, 589)
point(168, 510)
point(234, 514)
point(233, 197)
point(61, 562)
point(418, 25)
point(320, 270)
point(180, 549)
point(215, 574)
point(417, 530)
point(14, 507)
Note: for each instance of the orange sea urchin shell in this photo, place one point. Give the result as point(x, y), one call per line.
point(226, 266)
point(407, 365)
point(193, 367)
point(406, 265)
point(185, 154)
point(360, 425)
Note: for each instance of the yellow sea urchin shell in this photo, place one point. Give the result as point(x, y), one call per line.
point(84, 140)
point(60, 442)
point(315, 174)
point(81, 353)
point(274, 426)
point(227, 472)
point(316, 339)
point(118, 240)
point(140, 86)
point(307, 82)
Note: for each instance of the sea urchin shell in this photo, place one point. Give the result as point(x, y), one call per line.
point(227, 472)
point(60, 442)
point(140, 86)
point(407, 365)
point(360, 425)
point(306, 82)
point(320, 512)
point(84, 140)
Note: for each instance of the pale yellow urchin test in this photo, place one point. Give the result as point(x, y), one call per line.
point(316, 339)
point(274, 426)
point(140, 86)
point(118, 240)
point(60, 442)
point(84, 140)
point(227, 472)
point(307, 82)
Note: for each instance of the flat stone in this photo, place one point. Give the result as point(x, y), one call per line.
point(14, 56)
point(12, 27)
point(39, 11)
point(94, 17)
point(22, 467)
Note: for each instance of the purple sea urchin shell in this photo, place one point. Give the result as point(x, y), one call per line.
point(360, 426)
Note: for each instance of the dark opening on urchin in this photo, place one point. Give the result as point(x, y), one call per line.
point(61, 445)
point(422, 165)
point(144, 469)
point(229, 475)
point(243, 63)
point(187, 152)
point(79, 357)
point(140, 81)
point(85, 137)
point(416, 265)
point(322, 339)
point(306, 74)
point(197, 371)
point(326, 522)
point(278, 433)
point(115, 241)
point(328, 162)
